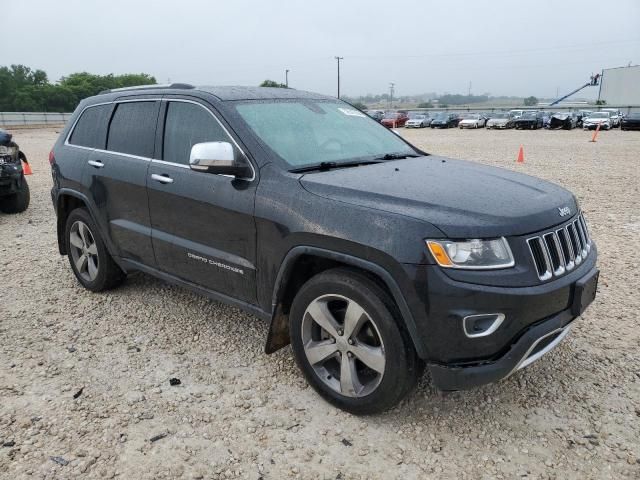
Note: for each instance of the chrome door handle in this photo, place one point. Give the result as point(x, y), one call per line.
point(96, 163)
point(161, 178)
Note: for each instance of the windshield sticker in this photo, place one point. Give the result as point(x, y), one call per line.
point(351, 112)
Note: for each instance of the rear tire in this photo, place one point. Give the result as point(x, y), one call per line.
point(366, 362)
point(90, 261)
point(17, 202)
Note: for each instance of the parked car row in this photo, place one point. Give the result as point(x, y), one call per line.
point(607, 118)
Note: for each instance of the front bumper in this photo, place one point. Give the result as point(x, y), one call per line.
point(593, 126)
point(534, 318)
point(532, 345)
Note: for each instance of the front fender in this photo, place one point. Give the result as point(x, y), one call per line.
point(278, 330)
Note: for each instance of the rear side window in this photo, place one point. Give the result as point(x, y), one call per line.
point(132, 129)
point(91, 129)
point(185, 125)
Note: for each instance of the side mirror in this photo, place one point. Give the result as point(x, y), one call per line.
point(218, 157)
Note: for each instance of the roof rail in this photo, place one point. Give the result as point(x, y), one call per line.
point(183, 86)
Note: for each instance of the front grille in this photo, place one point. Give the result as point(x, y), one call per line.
point(559, 251)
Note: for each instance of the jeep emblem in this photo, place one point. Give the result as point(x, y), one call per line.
point(564, 211)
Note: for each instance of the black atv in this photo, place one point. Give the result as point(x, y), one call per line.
point(14, 191)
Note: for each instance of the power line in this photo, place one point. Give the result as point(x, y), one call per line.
point(582, 46)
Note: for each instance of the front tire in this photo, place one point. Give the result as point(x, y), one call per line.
point(348, 340)
point(17, 202)
point(90, 261)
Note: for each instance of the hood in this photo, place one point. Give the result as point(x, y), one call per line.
point(463, 199)
point(560, 116)
point(469, 120)
point(596, 120)
point(498, 120)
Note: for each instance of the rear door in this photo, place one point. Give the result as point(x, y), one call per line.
point(117, 174)
point(203, 226)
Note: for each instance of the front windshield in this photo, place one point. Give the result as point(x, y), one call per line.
point(441, 116)
point(391, 115)
point(599, 115)
point(417, 117)
point(499, 115)
point(529, 115)
point(470, 116)
point(308, 132)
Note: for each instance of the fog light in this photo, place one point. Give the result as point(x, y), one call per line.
point(475, 326)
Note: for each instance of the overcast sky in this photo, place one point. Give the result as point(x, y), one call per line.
point(501, 47)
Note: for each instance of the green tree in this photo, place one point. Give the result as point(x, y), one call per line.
point(425, 105)
point(530, 101)
point(25, 90)
point(360, 106)
point(273, 83)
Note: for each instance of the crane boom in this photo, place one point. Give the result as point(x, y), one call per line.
point(592, 83)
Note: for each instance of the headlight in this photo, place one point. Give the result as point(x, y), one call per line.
point(472, 254)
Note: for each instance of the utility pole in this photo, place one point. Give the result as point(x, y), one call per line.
point(286, 78)
point(391, 90)
point(469, 93)
point(338, 59)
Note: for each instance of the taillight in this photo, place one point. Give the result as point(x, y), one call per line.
point(52, 158)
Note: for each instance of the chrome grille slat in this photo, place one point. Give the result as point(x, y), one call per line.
point(586, 231)
point(540, 258)
point(567, 251)
point(575, 243)
point(554, 250)
point(559, 251)
point(583, 238)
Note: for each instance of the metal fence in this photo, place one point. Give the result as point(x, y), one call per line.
point(16, 119)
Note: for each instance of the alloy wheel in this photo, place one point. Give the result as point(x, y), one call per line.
point(84, 251)
point(343, 345)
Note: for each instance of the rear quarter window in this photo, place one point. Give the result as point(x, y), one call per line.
point(132, 129)
point(91, 129)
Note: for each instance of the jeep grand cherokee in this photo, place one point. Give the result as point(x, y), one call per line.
point(371, 257)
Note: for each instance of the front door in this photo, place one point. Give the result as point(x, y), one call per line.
point(203, 230)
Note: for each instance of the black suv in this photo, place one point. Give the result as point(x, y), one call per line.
point(371, 257)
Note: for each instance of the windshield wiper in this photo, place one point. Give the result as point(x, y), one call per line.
point(396, 156)
point(322, 166)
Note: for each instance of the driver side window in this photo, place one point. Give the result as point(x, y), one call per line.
point(185, 125)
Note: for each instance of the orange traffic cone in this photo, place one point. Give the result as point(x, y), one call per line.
point(595, 134)
point(26, 168)
point(520, 155)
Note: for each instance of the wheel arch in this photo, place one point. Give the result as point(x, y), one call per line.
point(300, 264)
point(65, 202)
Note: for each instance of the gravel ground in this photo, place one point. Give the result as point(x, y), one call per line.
point(84, 378)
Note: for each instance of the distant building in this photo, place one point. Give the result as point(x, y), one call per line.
point(620, 86)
